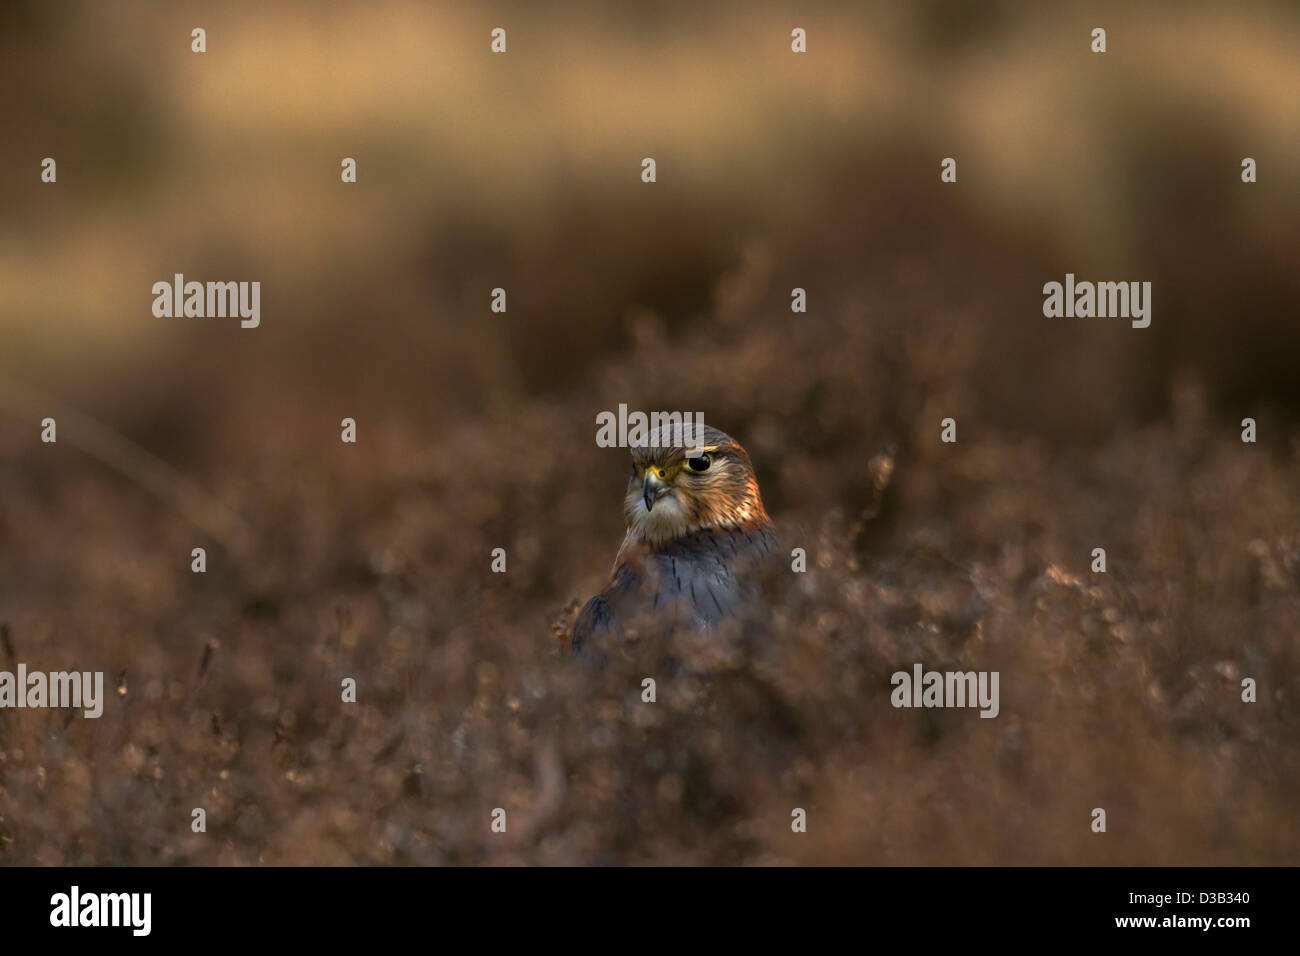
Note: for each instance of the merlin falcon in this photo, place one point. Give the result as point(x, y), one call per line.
point(697, 537)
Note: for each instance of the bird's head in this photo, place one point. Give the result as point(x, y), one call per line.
point(674, 491)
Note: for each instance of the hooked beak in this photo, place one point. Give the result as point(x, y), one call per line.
point(653, 489)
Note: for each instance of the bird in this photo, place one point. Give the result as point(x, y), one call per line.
point(697, 540)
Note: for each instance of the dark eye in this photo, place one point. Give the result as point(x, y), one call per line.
point(699, 464)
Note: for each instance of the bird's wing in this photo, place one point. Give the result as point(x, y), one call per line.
point(599, 615)
point(595, 618)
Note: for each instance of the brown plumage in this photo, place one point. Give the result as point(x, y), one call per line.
point(697, 534)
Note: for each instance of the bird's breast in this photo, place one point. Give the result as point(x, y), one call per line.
point(698, 579)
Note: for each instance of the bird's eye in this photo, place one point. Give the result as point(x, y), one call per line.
point(699, 464)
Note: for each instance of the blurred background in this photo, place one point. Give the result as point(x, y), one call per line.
point(476, 429)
